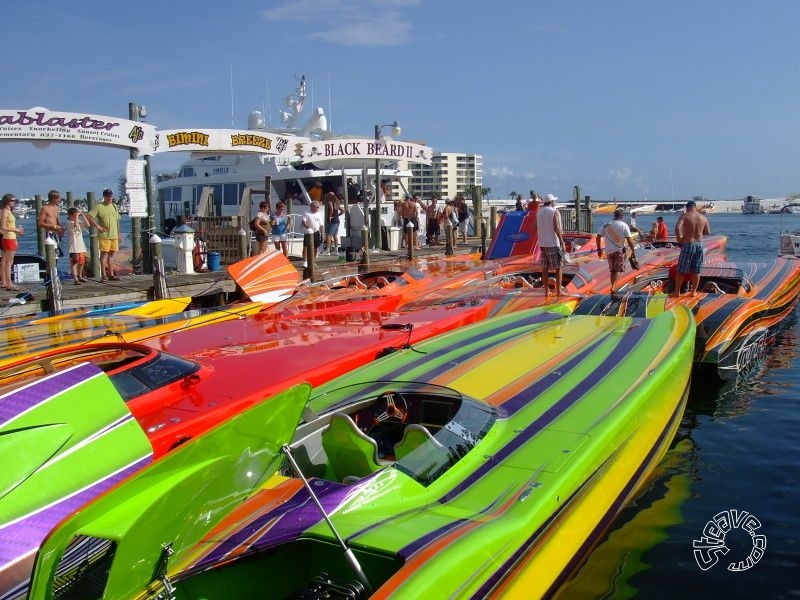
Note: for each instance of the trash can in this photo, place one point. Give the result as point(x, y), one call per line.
point(213, 261)
point(394, 239)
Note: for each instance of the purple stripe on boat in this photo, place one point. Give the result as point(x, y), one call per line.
point(520, 320)
point(293, 517)
point(26, 535)
point(625, 345)
point(601, 526)
point(407, 551)
point(19, 401)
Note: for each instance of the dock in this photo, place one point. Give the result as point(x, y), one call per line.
point(207, 289)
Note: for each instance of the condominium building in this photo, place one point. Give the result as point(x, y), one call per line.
point(450, 174)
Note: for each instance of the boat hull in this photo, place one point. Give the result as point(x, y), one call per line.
point(561, 441)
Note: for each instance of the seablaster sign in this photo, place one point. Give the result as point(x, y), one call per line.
point(366, 149)
point(41, 125)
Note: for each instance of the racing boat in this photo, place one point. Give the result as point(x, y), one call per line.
point(737, 308)
point(456, 452)
point(165, 393)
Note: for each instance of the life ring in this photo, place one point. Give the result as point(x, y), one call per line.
point(199, 255)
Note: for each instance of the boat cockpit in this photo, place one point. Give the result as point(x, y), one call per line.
point(713, 280)
point(419, 429)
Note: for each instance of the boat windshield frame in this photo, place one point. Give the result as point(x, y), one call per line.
point(452, 436)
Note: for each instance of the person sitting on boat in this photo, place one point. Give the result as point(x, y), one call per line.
point(280, 227)
point(661, 233)
point(261, 223)
point(616, 234)
point(689, 232)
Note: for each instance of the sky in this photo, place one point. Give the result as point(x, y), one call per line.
point(627, 99)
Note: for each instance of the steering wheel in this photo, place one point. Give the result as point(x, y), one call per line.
point(390, 405)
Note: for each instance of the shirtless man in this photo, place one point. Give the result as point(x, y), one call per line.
point(689, 232)
point(431, 224)
point(408, 210)
point(48, 216)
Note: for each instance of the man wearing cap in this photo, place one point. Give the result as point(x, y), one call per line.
point(616, 234)
point(689, 231)
point(551, 242)
point(105, 217)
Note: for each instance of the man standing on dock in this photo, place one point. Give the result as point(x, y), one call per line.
point(105, 217)
point(689, 231)
point(48, 218)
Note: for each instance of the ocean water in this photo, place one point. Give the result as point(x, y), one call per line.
point(738, 448)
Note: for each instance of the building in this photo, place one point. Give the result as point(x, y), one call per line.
point(450, 174)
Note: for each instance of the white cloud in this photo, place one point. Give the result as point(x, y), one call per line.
point(501, 172)
point(622, 175)
point(530, 176)
point(351, 22)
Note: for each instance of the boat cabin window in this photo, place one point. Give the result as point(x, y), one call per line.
point(134, 370)
point(187, 172)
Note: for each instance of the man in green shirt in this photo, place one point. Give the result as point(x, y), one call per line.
point(105, 217)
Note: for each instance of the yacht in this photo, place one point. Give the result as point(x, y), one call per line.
point(232, 184)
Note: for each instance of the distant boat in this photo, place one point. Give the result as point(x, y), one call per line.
point(752, 206)
point(604, 209)
point(793, 208)
point(775, 209)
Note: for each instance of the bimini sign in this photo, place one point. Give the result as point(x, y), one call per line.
point(225, 140)
point(42, 126)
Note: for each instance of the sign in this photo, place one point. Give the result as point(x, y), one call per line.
point(226, 140)
point(134, 173)
point(42, 126)
point(25, 272)
point(364, 149)
point(137, 199)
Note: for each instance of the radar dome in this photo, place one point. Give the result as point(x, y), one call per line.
point(255, 120)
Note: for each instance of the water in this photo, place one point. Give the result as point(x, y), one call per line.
point(738, 448)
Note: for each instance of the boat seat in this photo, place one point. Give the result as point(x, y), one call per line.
point(712, 287)
point(350, 451)
point(414, 436)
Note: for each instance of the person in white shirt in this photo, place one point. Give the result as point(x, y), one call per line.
point(551, 242)
point(313, 222)
point(616, 234)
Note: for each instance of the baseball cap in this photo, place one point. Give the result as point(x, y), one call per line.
point(691, 203)
point(618, 212)
point(108, 192)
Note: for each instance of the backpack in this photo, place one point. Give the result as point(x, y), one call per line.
point(253, 224)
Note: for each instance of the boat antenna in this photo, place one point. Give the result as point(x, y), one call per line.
point(330, 114)
point(403, 327)
point(231, 95)
point(348, 553)
point(268, 108)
